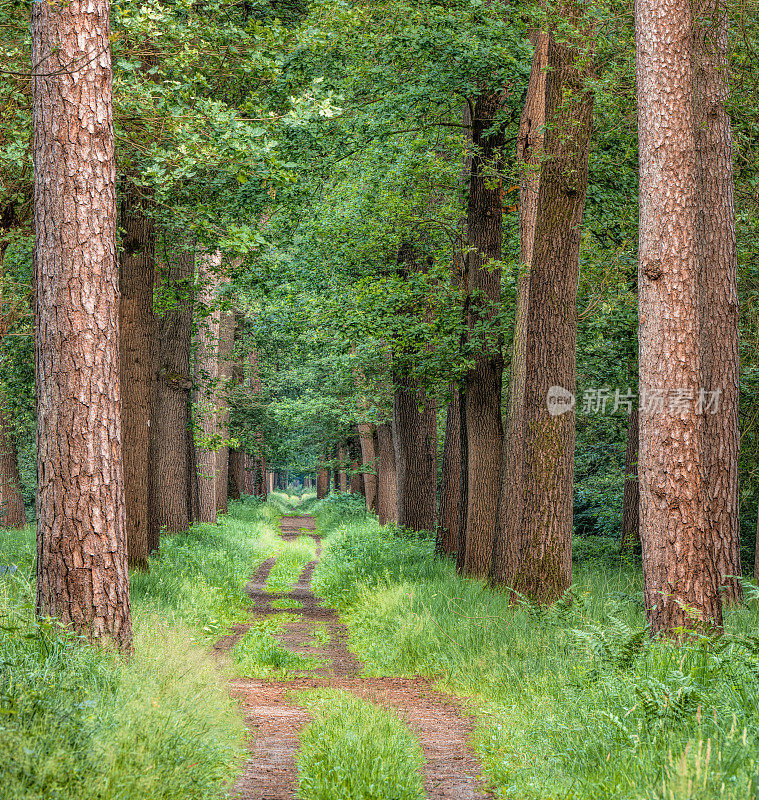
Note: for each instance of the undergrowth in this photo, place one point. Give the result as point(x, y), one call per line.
point(258, 654)
point(574, 700)
point(354, 750)
point(78, 723)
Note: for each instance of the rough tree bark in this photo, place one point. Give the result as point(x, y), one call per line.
point(508, 549)
point(206, 380)
point(482, 384)
point(681, 573)
point(226, 346)
point(718, 272)
point(387, 505)
point(322, 483)
point(452, 508)
point(81, 539)
point(136, 342)
point(630, 495)
point(368, 461)
point(172, 465)
point(545, 569)
point(12, 511)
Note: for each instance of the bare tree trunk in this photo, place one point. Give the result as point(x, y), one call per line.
point(482, 384)
point(718, 270)
point(12, 511)
point(631, 496)
point(236, 473)
point(206, 379)
point(368, 460)
point(508, 549)
point(681, 573)
point(416, 468)
point(82, 574)
point(137, 332)
point(172, 466)
point(226, 345)
point(387, 505)
point(451, 519)
point(322, 483)
point(545, 570)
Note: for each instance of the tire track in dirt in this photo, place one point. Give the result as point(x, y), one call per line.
point(441, 723)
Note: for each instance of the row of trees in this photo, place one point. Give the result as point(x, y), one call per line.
point(325, 243)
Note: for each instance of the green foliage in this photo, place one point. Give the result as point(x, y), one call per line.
point(574, 700)
point(356, 751)
point(258, 655)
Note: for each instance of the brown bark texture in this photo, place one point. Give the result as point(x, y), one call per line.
point(387, 506)
point(172, 448)
point(206, 381)
point(481, 394)
point(226, 346)
point(416, 468)
point(681, 573)
point(452, 507)
point(368, 462)
point(81, 538)
point(322, 483)
point(545, 568)
point(236, 473)
point(718, 272)
point(508, 549)
point(12, 510)
point(630, 494)
point(137, 330)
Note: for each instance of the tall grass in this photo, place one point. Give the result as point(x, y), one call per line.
point(79, 723)
point(575, 700)
point(354, 750)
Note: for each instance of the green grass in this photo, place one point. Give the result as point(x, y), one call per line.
point(259, 655)
point(574, 701)
point(292, 557)
point(354, 750)
point(80, 723)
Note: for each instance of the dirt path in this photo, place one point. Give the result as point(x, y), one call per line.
point(439, 721)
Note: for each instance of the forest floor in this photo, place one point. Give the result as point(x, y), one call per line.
point(441, 723)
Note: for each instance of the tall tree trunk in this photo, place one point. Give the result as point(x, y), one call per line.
point(206, 381)
point(322, 483)
point(546, 560)
point(482, 384)
point(416, 468)
point(12, 511)
point(452, 518)
point(226, 346)
point(236, 473)
point(387, 505)
point(82, 574)
point(681, 573)
point(136, 342)
point(508, 549)
point(172, 448)
point(718, 270)
point(631, 496)
point(368, 461)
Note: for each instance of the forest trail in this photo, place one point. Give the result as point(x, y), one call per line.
point(440, 722)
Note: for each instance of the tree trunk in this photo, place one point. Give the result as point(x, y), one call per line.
point(236, 473)
point(136, 335)
point(387, 505)
point(546, 560)
point(12, 511)
point(368, 461)
point(342, 458)
point(451, 520)
point(631, 496)
point(172, 447)
point(226, 346)
point(82, 574)
point(206, 380)
point(322, 483)
point(718, 271)
point(508, 550)
point(482, 384)
point(681, 573)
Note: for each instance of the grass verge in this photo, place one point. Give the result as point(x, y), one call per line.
point(77, 722)
point(575, 700)
point(354, 750)
point(259, 655)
